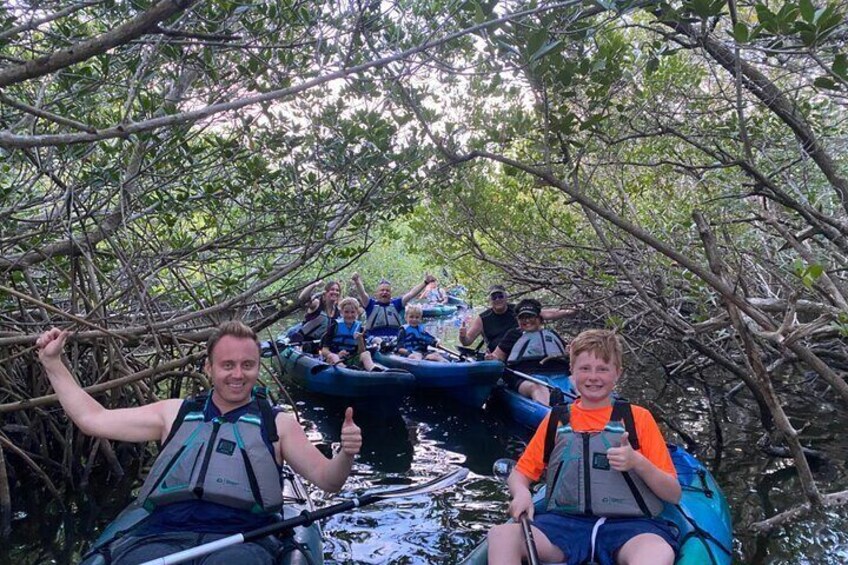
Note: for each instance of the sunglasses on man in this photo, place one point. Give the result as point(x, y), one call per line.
point(497, 296)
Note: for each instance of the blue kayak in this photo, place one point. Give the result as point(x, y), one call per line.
point(467, 382)
point(308, 549)
point(314, 375)
point(523, 410)
point(702, 516)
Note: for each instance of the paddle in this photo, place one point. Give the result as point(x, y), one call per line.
point(542, 382)
point(449, 351)
point(475, 353)
point(502, 469)
point(305, 518)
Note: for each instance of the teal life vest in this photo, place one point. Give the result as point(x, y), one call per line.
point(535, 346)
point(580, 479)
point(415, 338)
point(343, 339)
point(228, 463)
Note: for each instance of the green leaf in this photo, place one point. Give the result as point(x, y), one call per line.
point(840, 66)
point(824, 82)
point(544, 50)
point(740, 32)
point(807, 10)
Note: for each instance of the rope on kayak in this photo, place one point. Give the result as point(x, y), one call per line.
point(703, 535)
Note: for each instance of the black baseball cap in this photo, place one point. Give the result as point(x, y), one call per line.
point(528, 306)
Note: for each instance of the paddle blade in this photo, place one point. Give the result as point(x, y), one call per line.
point(433, 485)
point(502, 468)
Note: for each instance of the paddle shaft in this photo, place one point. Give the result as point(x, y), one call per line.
point(532, 554)
point(303, 519)
point(530, 378)
point(307, 517)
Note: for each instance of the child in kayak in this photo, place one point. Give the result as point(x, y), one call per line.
point(413, 340)
point(609, 474)
point(344, 341)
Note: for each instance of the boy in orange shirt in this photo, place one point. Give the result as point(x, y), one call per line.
point(603, 493)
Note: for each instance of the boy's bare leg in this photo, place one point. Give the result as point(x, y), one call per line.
point(539, 393)
point(366, 361)
point(332, 359)
point(414, 355)
point(507, 546)
point(645, 549)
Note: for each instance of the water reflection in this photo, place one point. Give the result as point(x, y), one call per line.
point(421, 438)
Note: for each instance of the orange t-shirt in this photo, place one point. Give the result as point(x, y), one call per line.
point(651, 442)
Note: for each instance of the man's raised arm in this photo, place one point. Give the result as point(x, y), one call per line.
point(143, 423)
point(416, 290)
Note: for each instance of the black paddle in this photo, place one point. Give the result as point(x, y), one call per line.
point(502, 469)
point(554, 389)
point(305, 518)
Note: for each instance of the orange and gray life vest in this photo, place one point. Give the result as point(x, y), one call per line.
point(535, 346)
point(383, 316)
point(580, 479)
point(215, 460)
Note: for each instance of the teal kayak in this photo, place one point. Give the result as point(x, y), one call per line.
point(467, 382)
point(308, 549)
point(434, 310)
point(702, 516)
point(314, 375)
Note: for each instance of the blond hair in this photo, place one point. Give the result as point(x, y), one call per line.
point(414, 309)
point(605, 344)
point(349, 301)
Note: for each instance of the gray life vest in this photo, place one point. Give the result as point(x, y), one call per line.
point(218, 461)
point(316, 323)
point(580, 479)
point(383, 316)
point(535, 346)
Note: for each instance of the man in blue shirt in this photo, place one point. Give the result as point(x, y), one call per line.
point(384, 313)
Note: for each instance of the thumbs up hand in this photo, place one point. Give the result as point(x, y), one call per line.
point(351, 439)
point(624, 457)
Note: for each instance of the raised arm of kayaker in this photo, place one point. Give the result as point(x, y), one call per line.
point(327, 474)
point(143, 423)
point(416, 290)
point(552, 314)
point(360, 289)
point(306, 294)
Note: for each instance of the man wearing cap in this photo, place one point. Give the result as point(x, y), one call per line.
point(384, 314)
point(497, 320)
point(532, 349)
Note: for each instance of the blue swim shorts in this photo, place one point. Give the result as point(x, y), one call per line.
point(573, 535)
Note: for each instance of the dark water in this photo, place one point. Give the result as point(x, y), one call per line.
point(425, 437)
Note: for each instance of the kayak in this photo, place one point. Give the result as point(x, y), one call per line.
point(523, 410)
point(434, 310)
point(308, 549)
point(702, 516)
point(467, 382)
point(314, 375)
point(457, 301)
